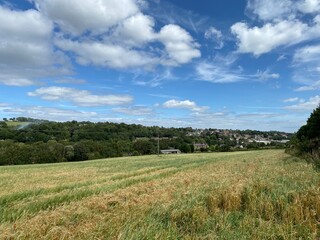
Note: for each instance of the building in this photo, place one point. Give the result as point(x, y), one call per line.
point(170, 151)
point(199, 146)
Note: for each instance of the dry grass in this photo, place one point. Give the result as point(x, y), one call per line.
point(246, 195)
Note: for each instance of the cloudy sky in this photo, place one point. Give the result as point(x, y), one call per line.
point(241, 64)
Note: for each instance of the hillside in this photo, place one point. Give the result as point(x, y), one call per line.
point(241, 195)
point(40, 141)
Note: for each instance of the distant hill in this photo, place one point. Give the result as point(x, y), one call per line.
point(26, 140)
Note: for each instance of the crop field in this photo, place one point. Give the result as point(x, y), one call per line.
point(16, 124)
point(241, 195)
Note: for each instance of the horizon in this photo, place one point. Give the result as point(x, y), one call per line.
point(232, 65)
point(40, 121)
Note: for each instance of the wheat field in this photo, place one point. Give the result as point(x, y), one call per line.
point(241, 195)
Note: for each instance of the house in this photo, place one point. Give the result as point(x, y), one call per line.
point(199, 146)
point(170, 151)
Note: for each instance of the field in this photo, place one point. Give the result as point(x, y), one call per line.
point(16, 124)
point(242, 195)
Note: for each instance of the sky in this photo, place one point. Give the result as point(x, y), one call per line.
point(227, 64)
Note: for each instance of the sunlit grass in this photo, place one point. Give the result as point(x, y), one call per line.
point(242, 195)
point(15, 124)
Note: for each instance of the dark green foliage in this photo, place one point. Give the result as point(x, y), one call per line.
point(306, 143)
point(144, 147)
point(41, 141)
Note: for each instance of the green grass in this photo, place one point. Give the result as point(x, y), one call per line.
point(16, 124)
point(241, 195)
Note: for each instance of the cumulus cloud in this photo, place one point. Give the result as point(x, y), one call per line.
point(179, 44)
point(275, 10)
point(284, 33)
point(36, 43)
point(186, 104)
point(26, 52)
point(79, 97)
point(106, 55)
point(309, 6)
point(285, 23)
point(93, 16)
point(136, 30)
point(124, 33)
point(305, 106)
point(216, 36)
point(270, 9)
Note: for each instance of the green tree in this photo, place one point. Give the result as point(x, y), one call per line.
point(306, 144)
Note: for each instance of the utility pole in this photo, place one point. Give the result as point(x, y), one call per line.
point(158, 144)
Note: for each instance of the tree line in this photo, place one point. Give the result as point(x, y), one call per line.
point(40, 141)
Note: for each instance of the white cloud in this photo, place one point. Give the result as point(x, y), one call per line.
point(187, 104)
point(136, 30)
point(4, 105)
point(275, 10)
point(306, 63)
point(94, 16)
point(29, 26)
point(216, 73)
point(179, 45)
point(106, 55)
point(26, 52)
point(266, 75)
point(312, 87)
point(291, 100)
point(79, 97)
point(221, 71)
point(124, 32)
point(270, 9)
point(284, 33)
point(53, 114)
point(16, 81)
point(216, 36)
point(309, 6)
point(70, 81)
point(134, 110)
point(124, 48)
point(285, 23)
point(104, 33)
point(155, 80)
point(305, 106)
point(307, 54)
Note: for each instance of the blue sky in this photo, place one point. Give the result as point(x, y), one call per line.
point(205, 64)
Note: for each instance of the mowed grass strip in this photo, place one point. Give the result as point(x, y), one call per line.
point(247, 195)
point(29, 202)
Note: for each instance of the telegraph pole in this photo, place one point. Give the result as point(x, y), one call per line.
point(158, 144)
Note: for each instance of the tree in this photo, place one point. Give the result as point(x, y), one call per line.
point(185, 148)
point(306, 144)
point(80, 152)
point(69, 152)
point(144, 147)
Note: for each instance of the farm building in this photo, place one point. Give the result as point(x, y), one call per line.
point(199, 146)
point(170, 151)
